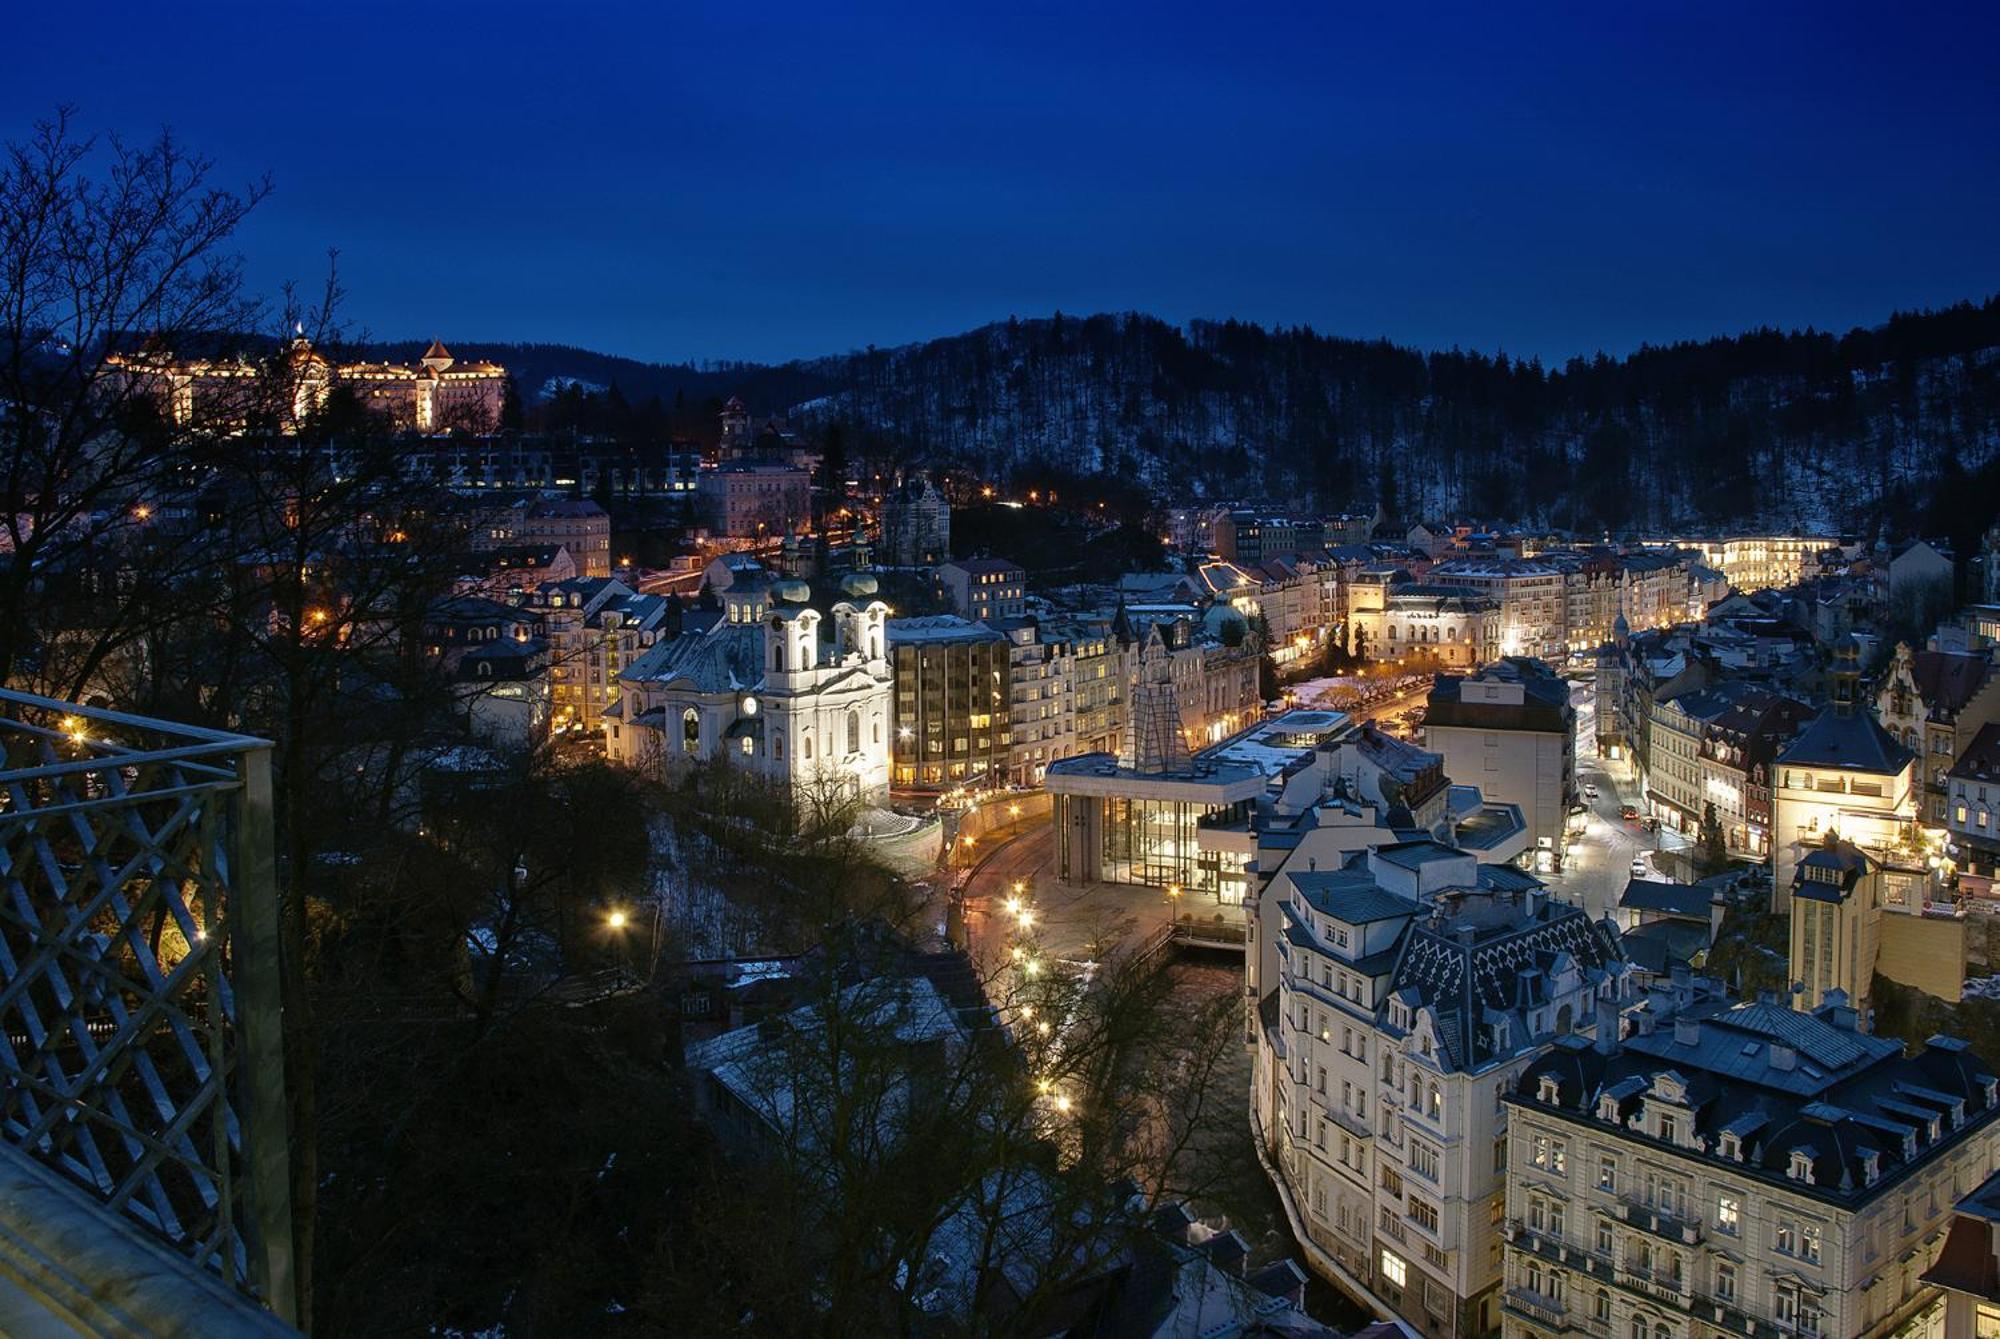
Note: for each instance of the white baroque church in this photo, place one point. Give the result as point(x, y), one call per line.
point(772, 686)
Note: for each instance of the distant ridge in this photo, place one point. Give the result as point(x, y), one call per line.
point(1790, 429)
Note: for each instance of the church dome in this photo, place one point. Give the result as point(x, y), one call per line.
point(791, 592)
point(859, 585)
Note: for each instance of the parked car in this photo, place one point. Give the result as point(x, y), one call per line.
point(1639, 870)
point(1590, 792)
point(1628, 811)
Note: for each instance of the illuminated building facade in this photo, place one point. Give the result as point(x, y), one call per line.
point(952, 716)
point(437, 393)
point(764, 690)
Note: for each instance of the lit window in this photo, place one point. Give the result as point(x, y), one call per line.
point(1393, 1268)
point(1728, 1214)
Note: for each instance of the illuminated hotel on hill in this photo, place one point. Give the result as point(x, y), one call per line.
point(435, 394)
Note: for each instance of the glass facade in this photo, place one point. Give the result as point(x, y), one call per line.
point(1152, 843)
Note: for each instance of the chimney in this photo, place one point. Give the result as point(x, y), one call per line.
point(1607, 1038)
point(1687, 1031)
point(1783, 1058)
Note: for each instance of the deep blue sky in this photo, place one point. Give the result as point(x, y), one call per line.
point(767, 180)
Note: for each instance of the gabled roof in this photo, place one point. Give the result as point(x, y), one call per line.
point(1948, 679)
point(1689, 901)
point(1981, 759)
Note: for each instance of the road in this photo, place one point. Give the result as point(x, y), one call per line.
point(1599, 864)
point(1069, 923)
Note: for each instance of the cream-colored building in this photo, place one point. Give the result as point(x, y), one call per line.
point(1418, 625)
point(1845, 774)
point(1761, 562)
point(1739, 1171)
point(1412, 984)
point(595, 628)
point(1511, 731)
point(437, 393)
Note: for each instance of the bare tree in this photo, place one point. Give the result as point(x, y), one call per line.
point(102, 244)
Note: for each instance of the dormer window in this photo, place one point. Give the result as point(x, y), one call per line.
point(1548, 1090)
point(1607, 1108)
point(1801, 1166)
point(1730, 1146)
point(1871, 1167)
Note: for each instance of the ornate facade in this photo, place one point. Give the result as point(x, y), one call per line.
point(766, 689)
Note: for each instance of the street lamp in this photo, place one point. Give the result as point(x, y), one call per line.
point(616, 920)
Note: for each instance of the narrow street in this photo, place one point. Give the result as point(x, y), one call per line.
point(1599, 864)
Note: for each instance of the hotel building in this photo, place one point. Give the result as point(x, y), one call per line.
point(1741, 1170)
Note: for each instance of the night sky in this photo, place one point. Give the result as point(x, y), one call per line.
point(672, 181)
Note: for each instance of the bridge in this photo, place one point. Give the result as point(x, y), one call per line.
point(144, 1148)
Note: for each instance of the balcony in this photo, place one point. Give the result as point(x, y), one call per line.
point(1657, 1283)
point(144, 1161)
point(1543, 1311)
point(1659, 1222)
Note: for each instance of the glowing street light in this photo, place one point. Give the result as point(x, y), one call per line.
point(1062, 1103)
point(616, 920)
point(1013, 906)
point(1027, 917)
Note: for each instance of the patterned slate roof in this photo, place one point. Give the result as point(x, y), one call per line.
point(1786, 1083)
point(1505, 966)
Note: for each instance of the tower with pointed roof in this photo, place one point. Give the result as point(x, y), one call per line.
point(437, 358)
point(1846, 775)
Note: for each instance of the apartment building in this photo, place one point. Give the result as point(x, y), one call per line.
point(1041, 697)
point(1511, 731)
point(984, 588)
point(952, 725)
point(578, 524)
point(1934, 702)
point(596, 628)
point(1738, 1169)
point(1412, 985)
point(1531, 594)
point(1972, 814)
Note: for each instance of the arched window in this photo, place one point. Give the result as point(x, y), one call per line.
point(485, 669)
point(806, 748)
point(1638, 1327)
point(878, 729)
point(854, 732)
point(691, 730)
point(777, 746)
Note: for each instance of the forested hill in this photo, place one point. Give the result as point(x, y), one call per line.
point(1772, 428)
point(1781, 428)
